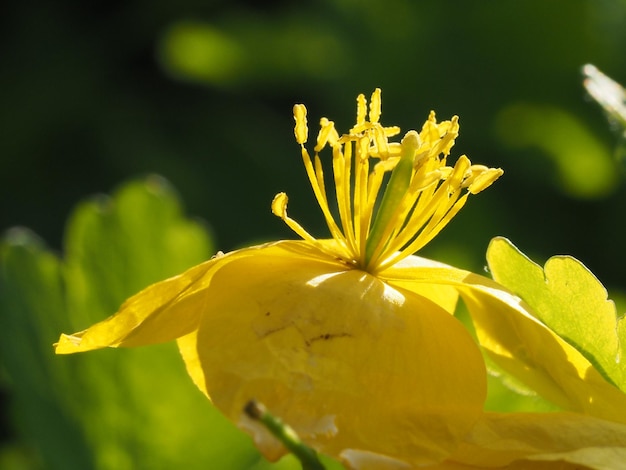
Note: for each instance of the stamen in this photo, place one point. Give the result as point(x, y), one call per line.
point(341, 169)
point(375, 107)
point(382, 145)
point(327, 134)
point(421, 196)
point(361, 109)
point(484, 180)
point(301, 130)
point(279, 209)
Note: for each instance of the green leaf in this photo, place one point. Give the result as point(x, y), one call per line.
point(570, 300)
point(112, 409)
point(31, 306)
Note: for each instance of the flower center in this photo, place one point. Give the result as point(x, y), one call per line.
point(391, 197)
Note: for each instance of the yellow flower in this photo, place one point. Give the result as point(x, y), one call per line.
point(591, 431)
point(350, 339)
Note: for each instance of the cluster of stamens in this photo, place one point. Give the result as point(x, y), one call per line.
point(420, 193)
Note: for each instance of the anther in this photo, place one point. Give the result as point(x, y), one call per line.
point(301, 130)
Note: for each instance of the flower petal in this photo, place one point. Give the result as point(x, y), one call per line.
point(502, 438)
point(349, 362)
point(533, 353)
point(408, 275)
point(521, 344)
point(161, 312)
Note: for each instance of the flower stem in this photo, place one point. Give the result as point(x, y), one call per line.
point(287, 436)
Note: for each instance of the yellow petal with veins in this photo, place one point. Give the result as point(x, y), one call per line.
point(543, 440)
point(161, 312)
point(332, 351)
point(518, 342)
point(344, 339)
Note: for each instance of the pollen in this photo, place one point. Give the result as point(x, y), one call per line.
point(389, 198)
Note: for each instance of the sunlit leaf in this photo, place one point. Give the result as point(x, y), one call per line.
point(569, 299)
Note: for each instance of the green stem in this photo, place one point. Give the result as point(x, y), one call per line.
point(287, 436)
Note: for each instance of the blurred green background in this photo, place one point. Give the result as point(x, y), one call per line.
point(200, 92)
